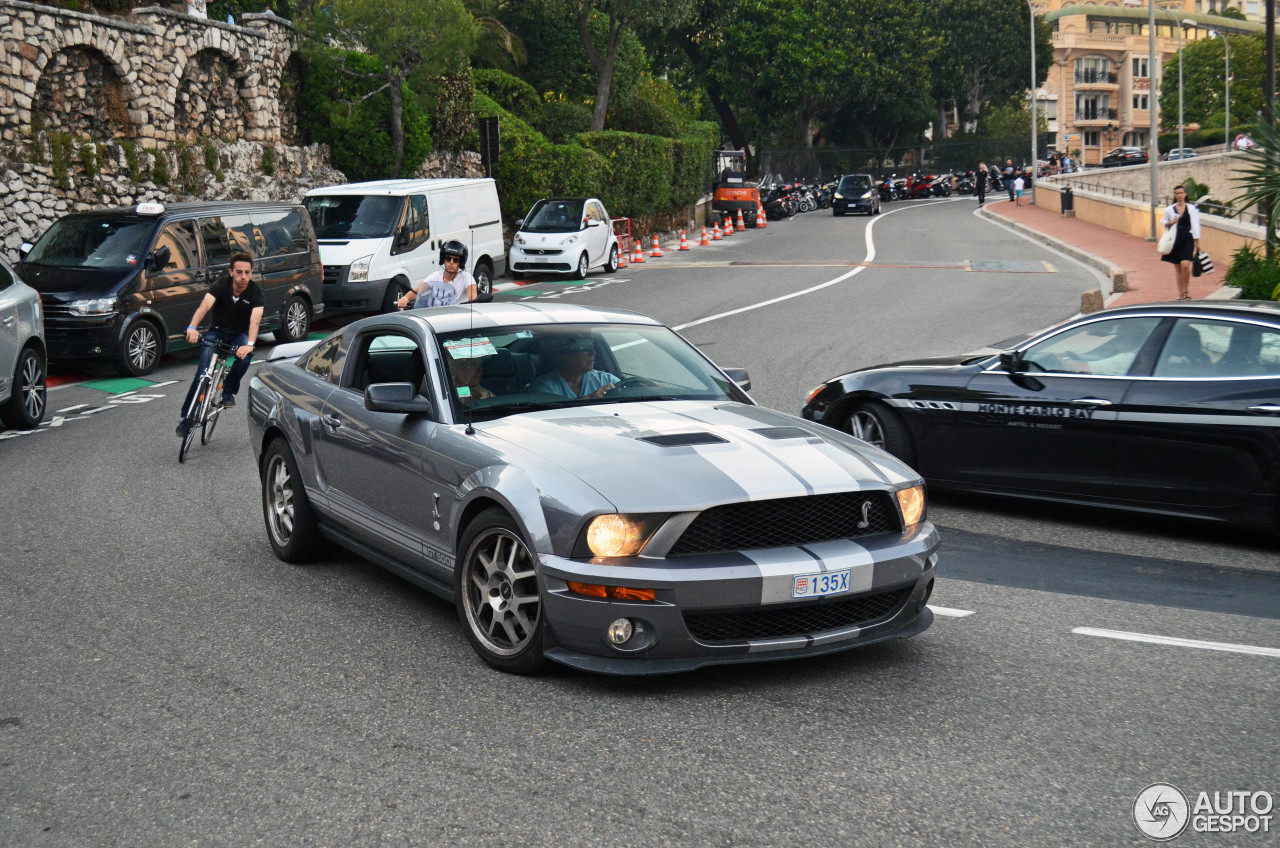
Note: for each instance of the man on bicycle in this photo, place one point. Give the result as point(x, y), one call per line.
point(237, 303)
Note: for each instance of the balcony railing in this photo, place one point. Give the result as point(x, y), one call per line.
point(1095, 115)
point(1096, 78)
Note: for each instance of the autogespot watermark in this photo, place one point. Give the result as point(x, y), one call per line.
point(1162, 812)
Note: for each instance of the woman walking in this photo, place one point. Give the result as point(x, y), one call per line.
point(1186, 245)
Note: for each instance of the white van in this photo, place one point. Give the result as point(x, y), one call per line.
point(380, 239)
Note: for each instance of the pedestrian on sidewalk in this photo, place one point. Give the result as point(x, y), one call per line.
point(1186, 217)
point(1008, 177)
point(980, 182)
point(1018, 185)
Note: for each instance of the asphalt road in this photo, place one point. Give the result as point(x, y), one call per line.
point(166, 681)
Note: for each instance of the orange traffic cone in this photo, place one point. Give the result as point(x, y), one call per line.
point(638, 258)
point(704, 242)
point(657, 251)
point(716, 236)
point(742, 225)
point(760, 217)
point(684, 244)
point(622, 257)
point(728, 226)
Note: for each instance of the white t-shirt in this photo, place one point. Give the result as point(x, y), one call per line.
point(434, 291)
point(1019, 184)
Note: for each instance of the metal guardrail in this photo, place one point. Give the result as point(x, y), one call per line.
point(1222, 210)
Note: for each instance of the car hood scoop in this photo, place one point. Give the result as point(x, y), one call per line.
point(669, 456)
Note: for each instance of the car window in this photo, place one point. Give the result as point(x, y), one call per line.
point(241, 234)
point(320, 360)
point(855, 183)
point(217, 242)
point(6, 279)
point(1205, 348)
point(280, 232)
point(93, 243)
point(387, 357)
point(637, 355)
point(352, 216)
point(554, 216)
point(1107, 347)
point(180, 238)
point(414, 224)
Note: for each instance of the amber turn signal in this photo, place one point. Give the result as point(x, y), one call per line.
point(615, 593)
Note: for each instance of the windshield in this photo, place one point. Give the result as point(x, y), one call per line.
point(858, 183)
point(554, 216)
point(353, 216)
point(93, 243)
point(497, 372)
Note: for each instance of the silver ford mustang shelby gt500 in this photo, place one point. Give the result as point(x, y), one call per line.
point(587, 488)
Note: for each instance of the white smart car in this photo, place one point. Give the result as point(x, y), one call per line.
point(565, 235)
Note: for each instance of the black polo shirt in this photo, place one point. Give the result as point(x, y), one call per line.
point(232, 314)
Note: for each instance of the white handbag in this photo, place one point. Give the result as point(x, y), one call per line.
point(1167, 240)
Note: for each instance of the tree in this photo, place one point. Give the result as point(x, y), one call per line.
point(1204, 89)
point(1261, 180)
point(985, 56)
point(496, 45)
point(620, 14)
point(410, 38)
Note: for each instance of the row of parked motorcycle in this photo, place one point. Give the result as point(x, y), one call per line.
point(785, 199)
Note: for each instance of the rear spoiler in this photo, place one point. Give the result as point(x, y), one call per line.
point(292, 350)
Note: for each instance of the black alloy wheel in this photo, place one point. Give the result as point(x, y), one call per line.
point(881, 427)
point(484, 282)
point(29, 394)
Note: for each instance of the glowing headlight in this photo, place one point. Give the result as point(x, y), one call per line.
point(100, 306)
point(359, 272)
point(619, 535)
point(911, 502)
point(839, 196)
point(866, 196)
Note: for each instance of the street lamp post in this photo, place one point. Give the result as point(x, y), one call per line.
point(1153, 154)
point(1034, 171)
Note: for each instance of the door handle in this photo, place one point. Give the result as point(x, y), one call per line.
point(1091, 402)
point(333, 420)
point(1266, 409)
point(8, 320)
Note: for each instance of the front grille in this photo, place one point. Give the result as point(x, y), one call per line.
point(806, 619)
point(56, 310)
point(533, 251)
point(334, 274)
point(541, 266)
point(789, 521)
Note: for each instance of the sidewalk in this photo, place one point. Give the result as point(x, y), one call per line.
point(1149, 278)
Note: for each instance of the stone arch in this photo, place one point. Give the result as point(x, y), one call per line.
point(81, 90)
point(290, 85)
point(208, 101)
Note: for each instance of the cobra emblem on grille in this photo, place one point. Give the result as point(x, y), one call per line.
point(866, 515)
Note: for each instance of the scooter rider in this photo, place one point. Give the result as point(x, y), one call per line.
point(451, 285)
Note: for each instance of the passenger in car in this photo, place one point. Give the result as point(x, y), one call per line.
point(467, 373)
point(573, 375)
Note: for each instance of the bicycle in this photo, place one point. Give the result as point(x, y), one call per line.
point(206, 405)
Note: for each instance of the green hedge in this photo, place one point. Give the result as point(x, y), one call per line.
point(1257, 278)
point(511, 93)
point(694, 168)
point(562, 120)
point(640, 168)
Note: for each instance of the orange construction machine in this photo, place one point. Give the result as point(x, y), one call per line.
point(733, 193)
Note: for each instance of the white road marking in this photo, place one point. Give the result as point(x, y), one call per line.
point(952, 613)
point(871, 255)
point(1178, 643)
point(72, 408)
point(165, 383)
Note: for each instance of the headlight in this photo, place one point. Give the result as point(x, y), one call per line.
point(100, 306)
point(620, 535)
point(359, 272)
point(519, 239)
point(866, 196)
point(839, 196)
point(569, 240)
point(911, 502)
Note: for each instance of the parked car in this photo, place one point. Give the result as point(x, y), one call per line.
point(855, 193)
point(22, 353)
point(589, 489)
point(122, 283)
point(1181, 153)
point(565, 235)
point(380, 239)
point(1165, 407)
point(1125, 156)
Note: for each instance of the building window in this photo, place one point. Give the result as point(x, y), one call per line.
point(1093, 139)
point(1094, 107)
point(1140, 68)
point(1140, 101)
point(1251, 8)
point(1091, 69)
point(1050, 110)
point(1135, 139)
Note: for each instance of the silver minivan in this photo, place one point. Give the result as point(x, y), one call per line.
point(22, 352)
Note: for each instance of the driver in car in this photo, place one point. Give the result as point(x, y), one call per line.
point(573, 375)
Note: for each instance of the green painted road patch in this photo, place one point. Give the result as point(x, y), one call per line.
point(118, 385)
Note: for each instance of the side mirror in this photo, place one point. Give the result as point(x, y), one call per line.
point(519, 223)
point(740, 377)
point(595, 223)
point(24, 249)
point(1011, 361)
point(159, 258)
point(396, 397)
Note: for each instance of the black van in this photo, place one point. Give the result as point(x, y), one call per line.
point(123, 283)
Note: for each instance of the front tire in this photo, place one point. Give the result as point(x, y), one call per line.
point(497, 595)
point(295, 320)
point(584, 264)
point(484, 283)
point(396, 289)
point(25, 407)
point(292, 527)
point(140, 350)
point(611, 267)
point(881, 427)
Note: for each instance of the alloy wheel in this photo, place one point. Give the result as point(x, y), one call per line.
point(34, 394)
point(280, 502)
point(502, 603)
point(142, 348)
point(866, 426)
point(296, 320)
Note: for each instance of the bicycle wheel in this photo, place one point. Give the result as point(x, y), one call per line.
point(213, 407)
point(195, 416)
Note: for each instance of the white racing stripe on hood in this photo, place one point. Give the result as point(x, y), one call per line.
point(757, 473)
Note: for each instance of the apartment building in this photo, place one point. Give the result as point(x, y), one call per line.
point(1099, 90)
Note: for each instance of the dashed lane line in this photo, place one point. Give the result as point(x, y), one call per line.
point(951, 613)
point(1173, 641)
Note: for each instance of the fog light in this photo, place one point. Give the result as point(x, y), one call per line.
point(620, 631)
